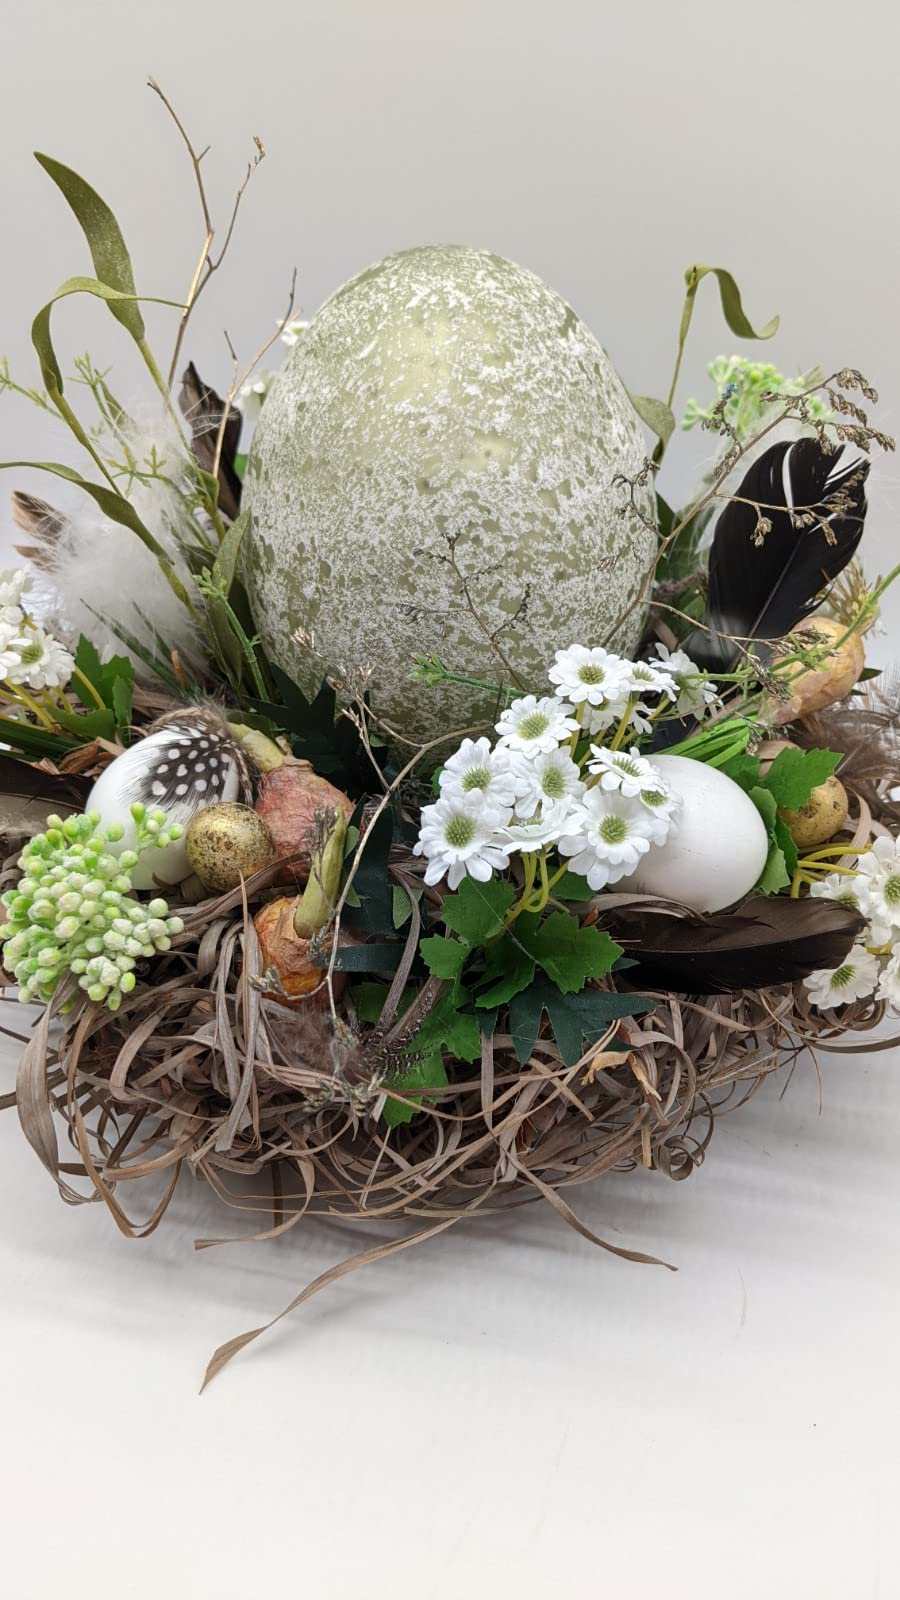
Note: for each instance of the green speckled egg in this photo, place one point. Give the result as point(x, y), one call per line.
point(434, 466)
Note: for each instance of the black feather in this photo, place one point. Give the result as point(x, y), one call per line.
point(766, 941)
point(203, 410)
point(760, 588)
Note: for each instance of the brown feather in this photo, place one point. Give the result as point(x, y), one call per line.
point(866, 726)
point(203, 410)
point(765, 942)
point(43, 522)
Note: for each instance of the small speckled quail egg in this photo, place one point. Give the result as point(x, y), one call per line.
point(718, 845)
point(186, 764)
point(226, 843)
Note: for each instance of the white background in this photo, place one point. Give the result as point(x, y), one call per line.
point(503, 1411)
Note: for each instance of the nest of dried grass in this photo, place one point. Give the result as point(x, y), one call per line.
point(199, 1069)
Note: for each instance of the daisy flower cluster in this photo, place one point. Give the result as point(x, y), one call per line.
point(565, 773)
point(29, 657)
point(873, 965)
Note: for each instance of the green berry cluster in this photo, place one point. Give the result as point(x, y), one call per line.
point(73, 910)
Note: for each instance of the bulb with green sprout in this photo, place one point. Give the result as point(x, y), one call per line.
point(73, 911)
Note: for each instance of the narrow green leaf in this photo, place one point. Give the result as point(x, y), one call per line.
point(225, 564)
point(40, 327)
point(112, 263)
point(113, 505)
point(732, 305)
point(656, 414)
point(403, 900)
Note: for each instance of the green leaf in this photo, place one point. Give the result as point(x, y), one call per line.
point(112, 263)
point(34, 743)
point(113, 679)
point(443, 957)
point(375, 913)
point(368, 999)
point(774, 876)
point(40, 327)
point(477, 910)
point(90, 725)
point(574, 1018)
point(568, 953)
point(795, 773)
point(225, 564)
point(656, 414)
point(572, 886)
point(732, 305)
point(427, 1073)
point(787, 846)
point(743, 770)
point(240, 464)
point(372, 957)
point(457, 1031)
point(402, 902)
point(508, 968)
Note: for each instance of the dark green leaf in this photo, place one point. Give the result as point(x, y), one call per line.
point(456, 1031)
point(375, 957)
point(795, 773)
point(443, 957)
point(574, 1018)
point(34, 743)
point(508, 968)
point(112, 263)
point(426, 1073)
point(476, 911)
point(572, 886)
point(774, 876)
point(372, 883)
point(568, 953)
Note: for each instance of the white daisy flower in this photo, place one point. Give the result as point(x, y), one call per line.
point(627, 770)
point(646, 678)
point(14, 582)
point(460, 837)
point(695, 692)
point(252, 394)
point(549, 825)
point(476, 768)
point(837, 887)
point(293, 332)
point(532, 726)
point(663, 807)
point(613, 833)
point(589, 676)
point(889, 986)
point(598, 719)
point(879, 883)
point(42, 661)
point(853, 980)
point(546, 780)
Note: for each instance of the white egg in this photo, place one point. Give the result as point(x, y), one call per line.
point(717, 848)
point(181, 768)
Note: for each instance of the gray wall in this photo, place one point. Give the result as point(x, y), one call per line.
point(606, 146)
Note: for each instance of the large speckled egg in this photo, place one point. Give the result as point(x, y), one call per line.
point(436, 465)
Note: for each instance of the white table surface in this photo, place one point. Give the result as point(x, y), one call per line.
point(502, 1411)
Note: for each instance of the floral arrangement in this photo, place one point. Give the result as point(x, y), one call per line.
point(278, 929)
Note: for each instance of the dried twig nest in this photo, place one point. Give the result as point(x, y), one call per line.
point(200, 1069)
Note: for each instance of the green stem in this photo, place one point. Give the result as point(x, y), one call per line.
point(86, 684)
